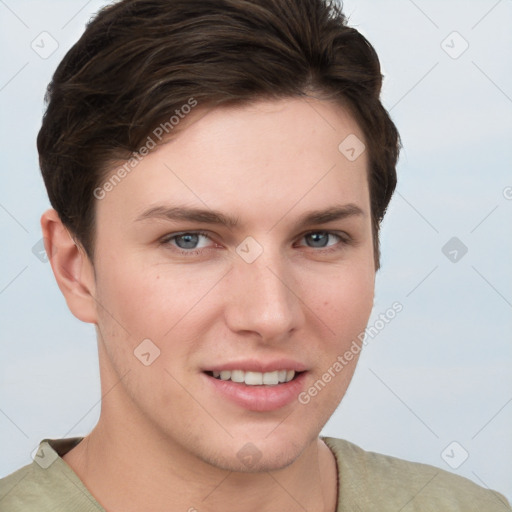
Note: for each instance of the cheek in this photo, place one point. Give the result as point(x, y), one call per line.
point(149, 299)
point(171, 308)
point(346, 301)
point(346, 304)
point(347, 307)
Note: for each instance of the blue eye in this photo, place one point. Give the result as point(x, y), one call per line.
point(189, 241)
point(320, 239)
point(194, 243)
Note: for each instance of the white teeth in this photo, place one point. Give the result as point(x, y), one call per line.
point(270, 378)
point(237, 376)
point(256, 378)
point(253, 378)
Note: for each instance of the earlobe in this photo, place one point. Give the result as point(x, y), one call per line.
point(72, 268)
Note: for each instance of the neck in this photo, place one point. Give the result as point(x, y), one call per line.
point(130, 473)
point(127, 464)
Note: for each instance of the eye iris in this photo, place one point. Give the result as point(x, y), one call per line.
point(319, 239)
point(189, 240)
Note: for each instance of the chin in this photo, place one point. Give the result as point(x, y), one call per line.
point(260, 455)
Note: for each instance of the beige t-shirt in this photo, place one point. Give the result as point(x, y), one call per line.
point(367, 482)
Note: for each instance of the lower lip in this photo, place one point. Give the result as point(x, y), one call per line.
point(259, 398)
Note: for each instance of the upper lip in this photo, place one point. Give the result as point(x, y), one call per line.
point(254, 365)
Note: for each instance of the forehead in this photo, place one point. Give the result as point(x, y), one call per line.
point(266, 157)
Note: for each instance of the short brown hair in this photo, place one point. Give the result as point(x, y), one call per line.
point(140, 60)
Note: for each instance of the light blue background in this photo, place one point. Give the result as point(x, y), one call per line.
point(441, 371)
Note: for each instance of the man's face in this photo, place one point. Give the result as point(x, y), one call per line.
point(267, 294)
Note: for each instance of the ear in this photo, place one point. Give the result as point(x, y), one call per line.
point(71, 266)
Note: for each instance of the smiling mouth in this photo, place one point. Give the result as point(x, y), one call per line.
point(255, 378)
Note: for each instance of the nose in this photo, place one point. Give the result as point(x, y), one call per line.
point(263, 299)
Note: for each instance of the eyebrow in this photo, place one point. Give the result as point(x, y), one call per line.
point(206, 216)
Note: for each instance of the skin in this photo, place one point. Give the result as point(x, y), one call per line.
point(165, 435)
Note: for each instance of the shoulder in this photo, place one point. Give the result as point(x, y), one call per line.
point(46, 485)
point(368, 479)
point(15, 485)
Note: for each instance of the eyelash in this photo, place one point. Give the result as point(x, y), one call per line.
point(344, 239)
